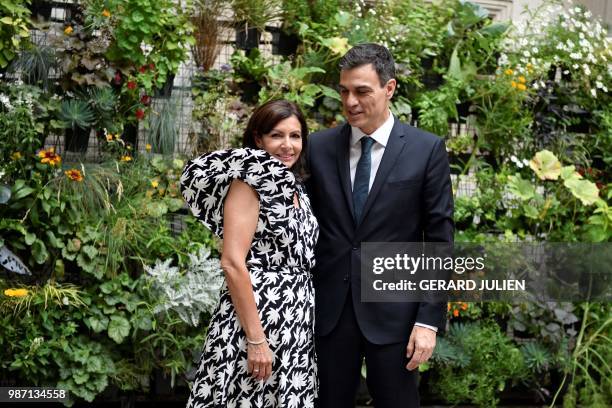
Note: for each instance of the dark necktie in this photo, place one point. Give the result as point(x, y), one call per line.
point(361, 184)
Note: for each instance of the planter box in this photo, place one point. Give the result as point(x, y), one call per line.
point(41, 9)
point(77, 139)
point(166, 90)
point(283, 43)
point(130, 135)
point(247, 39)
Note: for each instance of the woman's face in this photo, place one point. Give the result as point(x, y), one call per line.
point(284, 141)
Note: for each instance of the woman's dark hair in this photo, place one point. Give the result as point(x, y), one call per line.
point(263, 120)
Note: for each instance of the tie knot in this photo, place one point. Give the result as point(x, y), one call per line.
point(366, 143)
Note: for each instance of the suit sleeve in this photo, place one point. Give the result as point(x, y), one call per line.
point(438, 222)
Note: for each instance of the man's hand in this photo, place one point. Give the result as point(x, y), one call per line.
point(420, 346)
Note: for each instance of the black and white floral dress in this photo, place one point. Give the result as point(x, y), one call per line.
point(279, 263)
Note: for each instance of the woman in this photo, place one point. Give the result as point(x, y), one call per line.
point(260, 346)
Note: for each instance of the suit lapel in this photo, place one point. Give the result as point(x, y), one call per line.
point(393, 149)
point(343, 162)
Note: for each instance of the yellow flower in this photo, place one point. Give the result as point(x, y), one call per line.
point(68, 30)
point(109, 137)
point(126, 158)
point(513, 84)
point(148, 147)
point(16, 156)
point(106, 13)
point(521, 87)
point(74, 175)
point(508, 72)
point(522, 79)
point(48, 156)
point(154, 183)
point(16, 292)
point(529, 67)
point(129, 147)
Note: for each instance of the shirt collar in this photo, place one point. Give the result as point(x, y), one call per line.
point(380, 135)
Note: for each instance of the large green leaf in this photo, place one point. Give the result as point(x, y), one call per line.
point(118, 328)
point(546, 165)
point(521, 188)
point(584, 190)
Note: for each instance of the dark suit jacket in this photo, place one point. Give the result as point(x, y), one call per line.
point(410, 201)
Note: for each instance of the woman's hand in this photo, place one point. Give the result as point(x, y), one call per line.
point(259, 360)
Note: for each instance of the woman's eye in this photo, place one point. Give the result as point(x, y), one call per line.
point(296, 135)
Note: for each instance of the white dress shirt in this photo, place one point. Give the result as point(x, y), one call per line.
point(381, 137)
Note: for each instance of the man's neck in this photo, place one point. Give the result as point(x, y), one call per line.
point(371, 129)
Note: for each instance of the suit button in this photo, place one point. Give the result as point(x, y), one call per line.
point(346, 278)
point(355, 249)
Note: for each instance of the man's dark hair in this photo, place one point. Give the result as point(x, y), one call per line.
point(370, 53)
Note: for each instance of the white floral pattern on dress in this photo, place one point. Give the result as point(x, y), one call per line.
point(279, 262)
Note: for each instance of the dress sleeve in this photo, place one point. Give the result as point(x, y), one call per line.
point(206, 179)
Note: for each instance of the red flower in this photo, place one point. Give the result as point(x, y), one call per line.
point(140, 114)
point(117, 78)
point(151, 66)
point(131, 85)
point(145, 100)
point(142, 69)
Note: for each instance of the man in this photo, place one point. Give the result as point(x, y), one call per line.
point(373, 179)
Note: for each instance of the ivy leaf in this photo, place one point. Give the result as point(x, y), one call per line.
point(584, 190)
point(80, 377)
point(39, 250)
point(546, 165)
point(118, 328)
point(98, 323)
point(156, 209)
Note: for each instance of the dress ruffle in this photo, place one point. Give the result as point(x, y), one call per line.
point(206, 179)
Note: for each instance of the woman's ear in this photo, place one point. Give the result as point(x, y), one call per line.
point(258, 141)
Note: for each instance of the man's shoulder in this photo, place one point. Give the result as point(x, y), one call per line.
point(419, 136)
point(326, 134)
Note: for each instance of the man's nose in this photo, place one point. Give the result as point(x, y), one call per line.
point(351, 100)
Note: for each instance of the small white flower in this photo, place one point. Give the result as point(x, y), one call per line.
point(594, 92)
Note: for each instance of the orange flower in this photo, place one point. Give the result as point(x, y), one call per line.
point(508, 72)
point(464, 306)
point(68, 30)
point(522, 79)
point(49, 156)
point(456, 312)
point(16, 292)
point(513, 84)
point(521, 87)
point(74, 175)
point(106, 13)
point(109, 137)
point(126, 158)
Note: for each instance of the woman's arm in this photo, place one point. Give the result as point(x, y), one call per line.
point(241, 212)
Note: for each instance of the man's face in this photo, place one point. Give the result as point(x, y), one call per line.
point(365, 103)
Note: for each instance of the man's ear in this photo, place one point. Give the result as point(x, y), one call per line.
point(390, 87)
